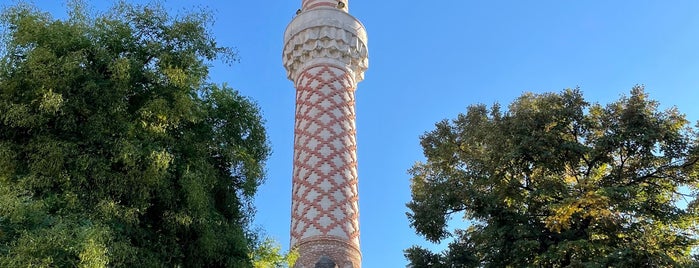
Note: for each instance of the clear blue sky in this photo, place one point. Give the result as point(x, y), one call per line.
point(431, 59)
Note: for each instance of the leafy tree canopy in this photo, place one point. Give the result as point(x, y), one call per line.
point(268, 254)
point(115, 150)
point(556, 181)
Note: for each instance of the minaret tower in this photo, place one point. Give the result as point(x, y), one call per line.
point(325, 55)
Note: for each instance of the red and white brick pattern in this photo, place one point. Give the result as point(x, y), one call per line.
point(325, 54)
point(324, 198)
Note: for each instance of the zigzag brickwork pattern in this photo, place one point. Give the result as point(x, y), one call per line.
point(325, 199)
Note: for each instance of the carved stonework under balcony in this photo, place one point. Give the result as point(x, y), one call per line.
point(325, 36)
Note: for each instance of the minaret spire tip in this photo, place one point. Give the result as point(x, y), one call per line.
point(315, 4)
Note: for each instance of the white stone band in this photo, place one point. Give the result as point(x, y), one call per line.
point(325, 36)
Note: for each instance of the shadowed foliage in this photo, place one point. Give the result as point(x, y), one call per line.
point(115, 150)
point(555, 181)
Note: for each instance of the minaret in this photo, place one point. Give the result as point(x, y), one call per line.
point(325, 55)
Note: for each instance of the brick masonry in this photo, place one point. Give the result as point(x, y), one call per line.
point(325, 54)
point(325, 207)
point(341, 253)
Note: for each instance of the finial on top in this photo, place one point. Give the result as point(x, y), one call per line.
point(314, 4)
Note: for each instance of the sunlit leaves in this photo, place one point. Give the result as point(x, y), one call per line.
point(587, 206)
point(556, 181)
point(115, 150)
point(268, 254)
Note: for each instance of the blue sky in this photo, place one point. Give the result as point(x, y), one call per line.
point(429, 60)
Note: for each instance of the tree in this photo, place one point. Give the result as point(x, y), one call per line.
point(268, 254)
point(555, 181)
point(115, 150)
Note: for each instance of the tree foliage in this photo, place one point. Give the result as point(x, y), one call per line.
point(114, 148)
point(268, 254)
point(555, 181)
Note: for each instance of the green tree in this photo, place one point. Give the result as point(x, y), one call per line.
point(558, 182)
point(115, 150)
point(268, 254)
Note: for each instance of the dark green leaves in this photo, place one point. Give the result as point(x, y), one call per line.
point(555, 181)
point(115, 150)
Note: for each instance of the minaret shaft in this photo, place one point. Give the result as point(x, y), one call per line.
point(325, 54)
point(325, 212)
